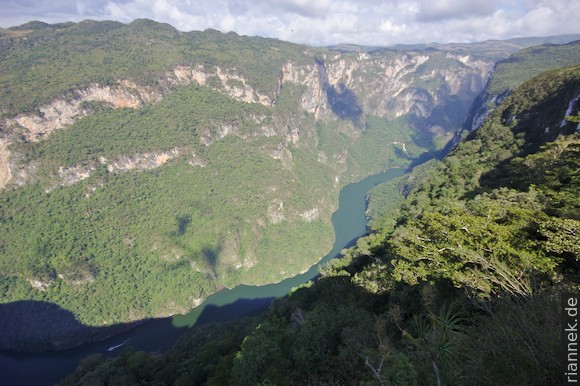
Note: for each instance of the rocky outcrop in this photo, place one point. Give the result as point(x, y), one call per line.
point(482, 106)
point(66, 110)
point(74, 174)
point(209, 136)
point(225, 81)
point(310, 215)
point(5, 174)
point(142, 161)
point(276, 212)
point(40, 285)
point(390, 84)
point(283, 154)
point(195, 160)
point(569, 111)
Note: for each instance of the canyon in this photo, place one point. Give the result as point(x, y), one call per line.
point(200, 160)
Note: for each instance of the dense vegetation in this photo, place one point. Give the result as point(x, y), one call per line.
point(134, 234)
point(64, 58)
point(239, 192)
point(529, 62)
point(385, 199)
point(230, 207)
point(139, 234)
point(463, 289)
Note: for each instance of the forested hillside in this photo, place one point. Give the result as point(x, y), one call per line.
point(519, 67)
point(509, 73)
point(464, 289)
point(142, 168)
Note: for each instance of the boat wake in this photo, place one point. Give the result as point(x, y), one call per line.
point(112, 348)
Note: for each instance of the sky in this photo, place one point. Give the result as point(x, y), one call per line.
point(324, 22)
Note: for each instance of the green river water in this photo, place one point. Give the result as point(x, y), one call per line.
point(49, 367)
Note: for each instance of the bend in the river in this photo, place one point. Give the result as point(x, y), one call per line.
point(47, 368)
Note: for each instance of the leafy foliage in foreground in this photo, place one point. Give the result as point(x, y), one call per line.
point(471, 272)
point(471, 220)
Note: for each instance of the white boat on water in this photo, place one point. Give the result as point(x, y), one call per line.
point(118, 345)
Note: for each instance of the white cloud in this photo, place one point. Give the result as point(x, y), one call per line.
point(306, 8)
point(324, 22)
point(437, 10)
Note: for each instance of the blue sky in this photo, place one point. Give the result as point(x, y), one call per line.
point(324, 22)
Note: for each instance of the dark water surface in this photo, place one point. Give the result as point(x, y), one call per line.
point(47, 368)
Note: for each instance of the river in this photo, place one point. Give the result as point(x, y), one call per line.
point(47, 368)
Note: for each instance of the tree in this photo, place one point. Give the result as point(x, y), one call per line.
point(488, 254)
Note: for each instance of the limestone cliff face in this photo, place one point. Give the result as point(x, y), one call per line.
point(61, 113)
point(307, 75)
point(347, 86)
point(134, 162)
point(5, 174)
point(66, 110)
point(226, 81)
point(391, 84)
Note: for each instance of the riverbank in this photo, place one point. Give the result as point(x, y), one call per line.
point(159, 335)
point(32, 326)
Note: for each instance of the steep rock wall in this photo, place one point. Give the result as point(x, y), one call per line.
point(5, 174)
point(388, 84)
point(392, 84)
point(226, 81)
point(66, 110)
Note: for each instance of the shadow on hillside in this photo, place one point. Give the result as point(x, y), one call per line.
point(343, 102)
point(41, 326)
point(537, 127)
point(239, 308)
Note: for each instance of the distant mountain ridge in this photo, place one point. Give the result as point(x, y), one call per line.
point(499, 49)
point(494, 47)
